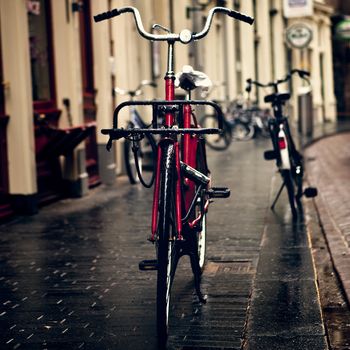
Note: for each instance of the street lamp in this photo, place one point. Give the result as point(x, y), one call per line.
point(202, 5)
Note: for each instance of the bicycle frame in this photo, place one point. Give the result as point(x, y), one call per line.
point(186, 151)
point(282, 139)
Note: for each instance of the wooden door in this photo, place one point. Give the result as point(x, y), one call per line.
point(5, 208)
point(46, 114)
point(89, 91)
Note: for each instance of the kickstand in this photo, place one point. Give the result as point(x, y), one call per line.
point(277, 196)
point(197, 273)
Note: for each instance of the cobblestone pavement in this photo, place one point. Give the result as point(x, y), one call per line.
point(69, 276)
point(329, 169)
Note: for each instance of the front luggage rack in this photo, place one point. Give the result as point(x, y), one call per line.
point(160, 107)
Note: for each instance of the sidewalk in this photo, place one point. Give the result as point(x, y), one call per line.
point(328, 168)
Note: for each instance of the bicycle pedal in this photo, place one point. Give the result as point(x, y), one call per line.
point(148, 265)
point(194, 174)
point(310, 192)
point(218, 192)
point(270, 155)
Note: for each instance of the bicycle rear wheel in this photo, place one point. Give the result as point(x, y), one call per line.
point(166, 243)
point(218, 142)
point(290, 185)
point(201, 242)
point(201, 235)
point(298, 174)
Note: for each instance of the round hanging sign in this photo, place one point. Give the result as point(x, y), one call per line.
point(343, 29)
point(298, 36)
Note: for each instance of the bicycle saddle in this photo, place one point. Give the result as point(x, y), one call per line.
point(189, 79)
point(277, 98)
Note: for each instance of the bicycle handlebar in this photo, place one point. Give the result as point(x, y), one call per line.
point(185, 36)
point(303, 74)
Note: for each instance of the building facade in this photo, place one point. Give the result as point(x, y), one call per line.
point(341, 55)
point(58, 69)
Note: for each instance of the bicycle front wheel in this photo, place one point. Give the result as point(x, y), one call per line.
point(218, 142)
point(166, 243)
point(145, 158)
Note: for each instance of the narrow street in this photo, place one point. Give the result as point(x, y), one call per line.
point(69, 276)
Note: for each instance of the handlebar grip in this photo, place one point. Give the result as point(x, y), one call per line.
point(302, 73)
point(248, 87)
point(106, 15)
point(241, 17)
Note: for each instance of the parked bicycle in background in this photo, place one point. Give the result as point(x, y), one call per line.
point(182, 189)
point(142, 151)
point(249, 113)
point(234, 128)
point(288, 160)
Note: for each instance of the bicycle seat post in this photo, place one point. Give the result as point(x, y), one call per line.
point(170, 82)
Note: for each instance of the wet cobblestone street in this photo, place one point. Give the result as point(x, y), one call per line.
point(69, 276)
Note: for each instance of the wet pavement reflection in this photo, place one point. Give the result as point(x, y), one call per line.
point(69, 276)
point(285, 310)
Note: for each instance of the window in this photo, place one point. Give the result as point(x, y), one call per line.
point(2, 85)
point(41, 54)
point(237, 28)
point(86, 48)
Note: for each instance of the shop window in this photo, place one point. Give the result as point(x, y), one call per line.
point(4, 202)
point(41, 54)
point(86, 48)
point(2, 86)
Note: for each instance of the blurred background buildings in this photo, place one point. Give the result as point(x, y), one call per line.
point(58, 69)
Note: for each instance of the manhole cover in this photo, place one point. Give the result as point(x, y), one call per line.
point(229, 267)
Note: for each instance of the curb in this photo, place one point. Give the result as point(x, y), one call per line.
point(337, 245)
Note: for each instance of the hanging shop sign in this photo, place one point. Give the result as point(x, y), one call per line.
point(298, 8)
point(299, 36)
point(342, 30)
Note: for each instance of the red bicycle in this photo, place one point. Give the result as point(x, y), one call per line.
point(182, 188)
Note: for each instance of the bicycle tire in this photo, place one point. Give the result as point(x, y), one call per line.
point(130, 165)
point(166, 245)
point(217, 142)
point(144, 164)
point(298, 174)
point(290, 185)
point(201, 242)
point(201, 235)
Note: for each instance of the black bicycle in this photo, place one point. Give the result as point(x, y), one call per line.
point(288, 160)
